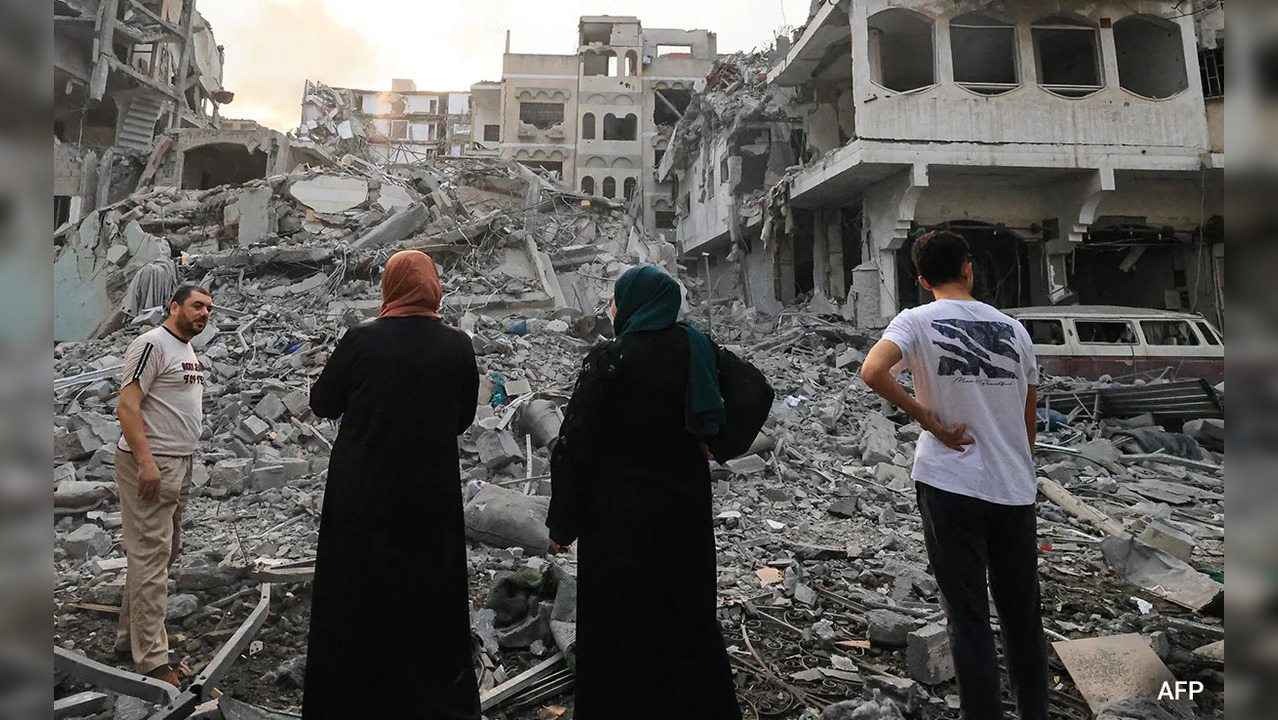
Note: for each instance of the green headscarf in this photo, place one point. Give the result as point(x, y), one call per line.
point(648, 300)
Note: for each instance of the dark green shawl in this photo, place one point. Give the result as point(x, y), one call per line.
point(648, 300)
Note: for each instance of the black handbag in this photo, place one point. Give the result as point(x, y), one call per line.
point(747, 400)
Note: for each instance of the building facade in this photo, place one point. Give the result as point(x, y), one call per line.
point(601, 117)
point(396, 127)
point(1068, 141)
point(125, 71)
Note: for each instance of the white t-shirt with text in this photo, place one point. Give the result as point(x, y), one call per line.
point(172, 382)
point(971, 364)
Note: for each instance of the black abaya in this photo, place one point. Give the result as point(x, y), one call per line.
point(390, 627)
point(633, 486)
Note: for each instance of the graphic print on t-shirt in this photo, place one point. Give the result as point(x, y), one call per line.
point(979, 341)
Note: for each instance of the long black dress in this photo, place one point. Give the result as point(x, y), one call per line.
point(633, 485)
point(390, 627)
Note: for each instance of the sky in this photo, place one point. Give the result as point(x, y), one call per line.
point(274, 46)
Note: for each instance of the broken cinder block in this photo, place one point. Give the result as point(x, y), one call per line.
point(889, 628)
point(927, 654)
point(252, 429)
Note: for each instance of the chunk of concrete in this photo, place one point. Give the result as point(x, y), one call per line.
point(331, 193)
point(927, 654)
point(497, 449)
point(231, 474)
point(76, 445)
point(255, 216)
point(252, 429)
point(298, 403)
point(889, 628)
point(208, 577)
point(398, 226)
point(1171, 540)
point(270, 407)
point(181, 606)
point(279, 473)
point(749, 465)
point(86, 541)
point(894, 476)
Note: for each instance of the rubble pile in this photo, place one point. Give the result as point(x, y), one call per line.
point(827, 602)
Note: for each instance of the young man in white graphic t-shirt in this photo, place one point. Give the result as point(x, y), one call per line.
point(161, 414)
point(975, 378)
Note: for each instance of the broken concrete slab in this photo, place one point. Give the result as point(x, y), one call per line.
point(1113, 667)
point(330, 193)
point(1161, 535)
point(393, 197)
point(398, 226)
point(1159, 572)
point(254, 215)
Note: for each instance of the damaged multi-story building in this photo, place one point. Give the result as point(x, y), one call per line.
point(124, 72)
point(398, 127)
point(1067, 141)
point(601, 118)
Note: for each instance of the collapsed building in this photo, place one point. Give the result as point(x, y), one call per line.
point(783, 199)
point(124, 71)
point(389, 128)
point(1069, 142)
point(600, 118)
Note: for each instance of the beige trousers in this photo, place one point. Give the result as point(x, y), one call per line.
point(152, 535)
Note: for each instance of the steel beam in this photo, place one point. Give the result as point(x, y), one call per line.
point(111, 678)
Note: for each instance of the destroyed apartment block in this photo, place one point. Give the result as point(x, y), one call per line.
point(125, 70)
point(888, 119)
point(392, 128)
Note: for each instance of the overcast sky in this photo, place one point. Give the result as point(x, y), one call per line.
point(272, 46)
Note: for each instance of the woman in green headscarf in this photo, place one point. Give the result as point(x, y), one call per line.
point(631, 480)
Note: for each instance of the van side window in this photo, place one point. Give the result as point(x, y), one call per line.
point(1045, 332)
point(1208, 334)
point(1105, 332)
point(1168, 332)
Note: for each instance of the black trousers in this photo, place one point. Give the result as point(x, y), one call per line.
point(967, 537)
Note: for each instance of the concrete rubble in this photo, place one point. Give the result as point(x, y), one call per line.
point(826, 597)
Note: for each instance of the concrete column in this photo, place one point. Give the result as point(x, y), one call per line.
point(834, 241)
point(820, 253)
point(785, 268)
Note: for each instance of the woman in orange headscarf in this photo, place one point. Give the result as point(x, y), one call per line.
point(404, 386)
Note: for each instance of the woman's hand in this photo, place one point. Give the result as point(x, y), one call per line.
point(556, 548)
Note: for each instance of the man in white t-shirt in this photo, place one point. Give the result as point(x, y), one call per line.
point(160, 410)
point(975, 378)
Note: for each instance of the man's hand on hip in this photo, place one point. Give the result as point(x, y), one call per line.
point(953, 438)
point(148, 481)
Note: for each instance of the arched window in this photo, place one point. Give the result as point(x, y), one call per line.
point(902, 52)
point(609, 187)
point(632, 63)
point(628, 187)
point(1067, 53)
point(1151, 57)
point(588, 185)
point(983, 48)
point(588, 126)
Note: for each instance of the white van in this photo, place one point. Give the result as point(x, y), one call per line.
point(1088, 341)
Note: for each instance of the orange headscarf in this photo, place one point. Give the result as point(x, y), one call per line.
point(410, 285)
